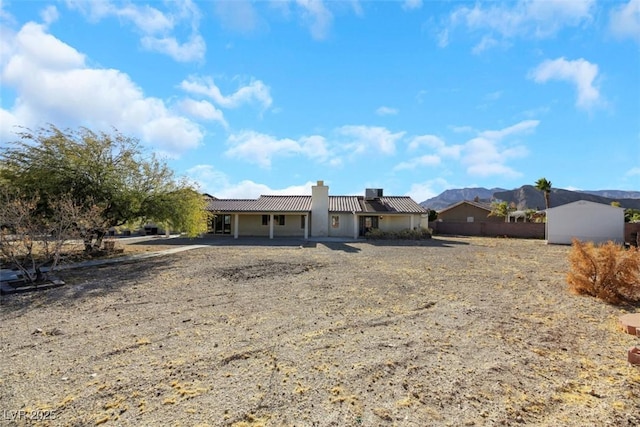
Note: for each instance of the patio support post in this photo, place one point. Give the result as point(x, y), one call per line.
point(236, 222)
point(306, 226)
point(271, 226)
point(355, 226)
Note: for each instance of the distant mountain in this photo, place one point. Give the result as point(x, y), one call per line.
point(529, 197)
point(615, 194)
point(449, 197)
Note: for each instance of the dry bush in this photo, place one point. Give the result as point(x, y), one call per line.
point(607, 271)
point(31, 239)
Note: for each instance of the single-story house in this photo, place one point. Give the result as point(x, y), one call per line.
point(468, 211)
point(318, 215)
point(585, 221)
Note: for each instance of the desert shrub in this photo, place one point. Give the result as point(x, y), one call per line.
point(405, 234)
point(608, 271)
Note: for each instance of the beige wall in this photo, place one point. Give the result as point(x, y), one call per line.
point(397, 223)
point(464, 211)
point(345, 225)
point(251, 225)
point(319, 210)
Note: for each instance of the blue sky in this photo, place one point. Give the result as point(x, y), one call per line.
point(415, 97)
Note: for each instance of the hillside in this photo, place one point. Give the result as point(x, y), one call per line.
point(449, 197)
point(528, 197)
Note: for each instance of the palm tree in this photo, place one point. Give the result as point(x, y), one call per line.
point(545, 186)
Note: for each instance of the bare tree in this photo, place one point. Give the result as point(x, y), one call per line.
point(30, 241)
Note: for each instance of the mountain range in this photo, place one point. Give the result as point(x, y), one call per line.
point(529, 197)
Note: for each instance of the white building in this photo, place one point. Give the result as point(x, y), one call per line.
point(585, 221)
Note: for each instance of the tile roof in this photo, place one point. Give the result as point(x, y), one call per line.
point(232, 205)
point(284, 203)
point(393, 204)
point(344, 204)
point(389, 205)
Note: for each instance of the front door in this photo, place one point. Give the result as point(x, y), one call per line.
point(368, 223)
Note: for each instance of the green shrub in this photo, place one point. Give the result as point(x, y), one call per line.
point(405, 234)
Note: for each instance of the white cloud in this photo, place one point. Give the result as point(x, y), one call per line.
point(203, 110)
point(426, 160)
point(386, 111)
point(486, 43)
point(486, 155)
point(624, 20)
point(49, 15)
point(412, 4)
point(314, 147)
point(633, 172)
point(218, 184)
point(238, 15)
point(369, 139)
point(316, 15)
point(209, 179)
point(525, 126)
point(260, 149)
point(157, 28)
point(579, 72)
point(425, 190)
point(437, 144)
point(53, 84)
point(443, 38)
point(191, 50)
point(524, 18)
point(255, 92)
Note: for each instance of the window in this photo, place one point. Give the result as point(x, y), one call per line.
point(302, 221)
point(277, 219)
point(335, 221)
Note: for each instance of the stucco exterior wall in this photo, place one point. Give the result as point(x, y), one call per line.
point(397, 223)
point(344, 228)
point(251, 225)
point(320, 210)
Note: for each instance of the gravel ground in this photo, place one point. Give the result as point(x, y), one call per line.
point(452, 331)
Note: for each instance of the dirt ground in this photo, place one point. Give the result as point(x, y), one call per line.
point(450, 332)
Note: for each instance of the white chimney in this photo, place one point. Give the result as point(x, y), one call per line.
point(320, 210)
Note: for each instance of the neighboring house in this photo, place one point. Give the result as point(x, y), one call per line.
point(585, 221)
point(468, 211)
point(318, 215)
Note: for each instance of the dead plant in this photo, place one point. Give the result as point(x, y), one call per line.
point(607, 271)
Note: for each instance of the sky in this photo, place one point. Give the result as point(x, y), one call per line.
point(415, 97)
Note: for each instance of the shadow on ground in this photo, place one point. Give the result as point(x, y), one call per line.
point(346, 245)
point(87, 282)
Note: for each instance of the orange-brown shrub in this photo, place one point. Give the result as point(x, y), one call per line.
point(608, 271)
